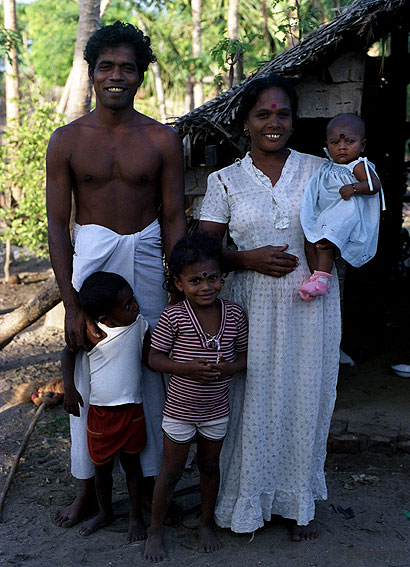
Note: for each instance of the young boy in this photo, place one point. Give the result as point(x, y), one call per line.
point(115, 417)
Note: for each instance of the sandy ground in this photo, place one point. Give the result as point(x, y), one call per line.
point(362, 522)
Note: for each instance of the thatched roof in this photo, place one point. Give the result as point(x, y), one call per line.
point(361, 24)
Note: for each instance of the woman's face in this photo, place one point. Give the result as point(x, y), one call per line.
point(270, 121)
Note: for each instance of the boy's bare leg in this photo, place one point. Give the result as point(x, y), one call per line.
point(82, 506)
point(132, 467)
point(207, 459)
point(103, 488)
point(175, 455)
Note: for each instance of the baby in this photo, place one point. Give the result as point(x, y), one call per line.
point(115, 422)
point(333, 212)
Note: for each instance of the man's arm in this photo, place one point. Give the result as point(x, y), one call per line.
point(172, 189)
point(61, 251)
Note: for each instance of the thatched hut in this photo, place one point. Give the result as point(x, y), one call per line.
point(336, 68)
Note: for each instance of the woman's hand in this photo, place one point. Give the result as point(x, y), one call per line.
point(272, 261)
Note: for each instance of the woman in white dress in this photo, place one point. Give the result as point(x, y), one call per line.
point(273, 458)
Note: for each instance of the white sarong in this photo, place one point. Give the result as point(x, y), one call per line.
point(138, 258)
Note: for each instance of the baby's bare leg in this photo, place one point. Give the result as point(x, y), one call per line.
point(324, 255)
point(175, 455)
point(132, 467)
point(208, 464)
point(311, 256)
point(103, 488)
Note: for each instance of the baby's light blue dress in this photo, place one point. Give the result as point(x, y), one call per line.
point(353, 225)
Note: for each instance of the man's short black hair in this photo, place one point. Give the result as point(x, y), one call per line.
point(98, 294)
point(109, 37)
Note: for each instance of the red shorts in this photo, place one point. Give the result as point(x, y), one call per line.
point(111, 431)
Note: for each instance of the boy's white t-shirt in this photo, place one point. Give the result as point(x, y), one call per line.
point(115, 365)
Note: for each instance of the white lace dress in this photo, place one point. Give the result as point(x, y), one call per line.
point(273, 458)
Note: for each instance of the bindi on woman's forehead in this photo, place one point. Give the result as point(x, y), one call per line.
point(274, 105)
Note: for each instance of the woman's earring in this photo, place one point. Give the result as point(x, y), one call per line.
point(222, 282)
point(246, 131)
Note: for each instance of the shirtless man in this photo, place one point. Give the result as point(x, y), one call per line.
point(119, 165)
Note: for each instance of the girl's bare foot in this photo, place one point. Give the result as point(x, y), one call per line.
point(300, 533)
point(96, 523)
point(208, 542)
point(154, 548)
point(136, 529)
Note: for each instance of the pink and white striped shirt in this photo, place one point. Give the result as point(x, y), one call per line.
point(179, 331)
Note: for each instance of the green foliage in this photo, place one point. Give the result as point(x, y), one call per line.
point(23, 168)
point(52, 31)
point(8, 40)
point(227, 50)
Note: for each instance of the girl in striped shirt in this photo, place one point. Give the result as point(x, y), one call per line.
point(208, 339)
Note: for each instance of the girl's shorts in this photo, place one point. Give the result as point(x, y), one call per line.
point(110, 431)
point(184, 431)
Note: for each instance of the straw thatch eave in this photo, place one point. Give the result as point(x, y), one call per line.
point(361, 24)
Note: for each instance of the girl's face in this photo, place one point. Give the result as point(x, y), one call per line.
point(344, 142)
point(270, 121)
point(201, 282)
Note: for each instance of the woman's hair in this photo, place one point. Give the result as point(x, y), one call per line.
point(98, 294)
point(189, 250)
point(256, 86)
point(110, 37)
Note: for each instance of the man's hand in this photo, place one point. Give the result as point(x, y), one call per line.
point(346, 192)
point(77, 323)
point(272, 260)
point(72, 400)
point(201, 370)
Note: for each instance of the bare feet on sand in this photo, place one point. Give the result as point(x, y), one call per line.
point(208, 542)
point(76, 512)
point(154, 548)
point(136, 529)
point(300, 533)
point(99, 521)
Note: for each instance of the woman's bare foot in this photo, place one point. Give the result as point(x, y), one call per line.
point(99, 521)
point(71, 515)
point(208, 542)
point(136, 529)
point(154, 548)
point(300, 533)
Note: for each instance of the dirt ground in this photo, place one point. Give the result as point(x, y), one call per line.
point(362, 523)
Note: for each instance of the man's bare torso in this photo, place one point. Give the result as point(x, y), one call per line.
point(116, 171)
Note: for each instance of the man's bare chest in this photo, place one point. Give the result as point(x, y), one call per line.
point(104, 161)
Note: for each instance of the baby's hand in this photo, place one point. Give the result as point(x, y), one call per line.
point(72, 400)
point(346, 192)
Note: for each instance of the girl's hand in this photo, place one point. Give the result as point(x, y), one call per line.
point(224, 368)
point(201, 370)
point(346, 192)
point(72, 400)
point(272, 261)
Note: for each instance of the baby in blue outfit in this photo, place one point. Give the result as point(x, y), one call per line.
point(340, 205)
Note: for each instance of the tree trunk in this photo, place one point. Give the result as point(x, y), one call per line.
point(236, 71)
point(79, 99)
point(45, 299)
point(159, 86)
point(12, 69)
point(196, 7)
point(103, 7)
